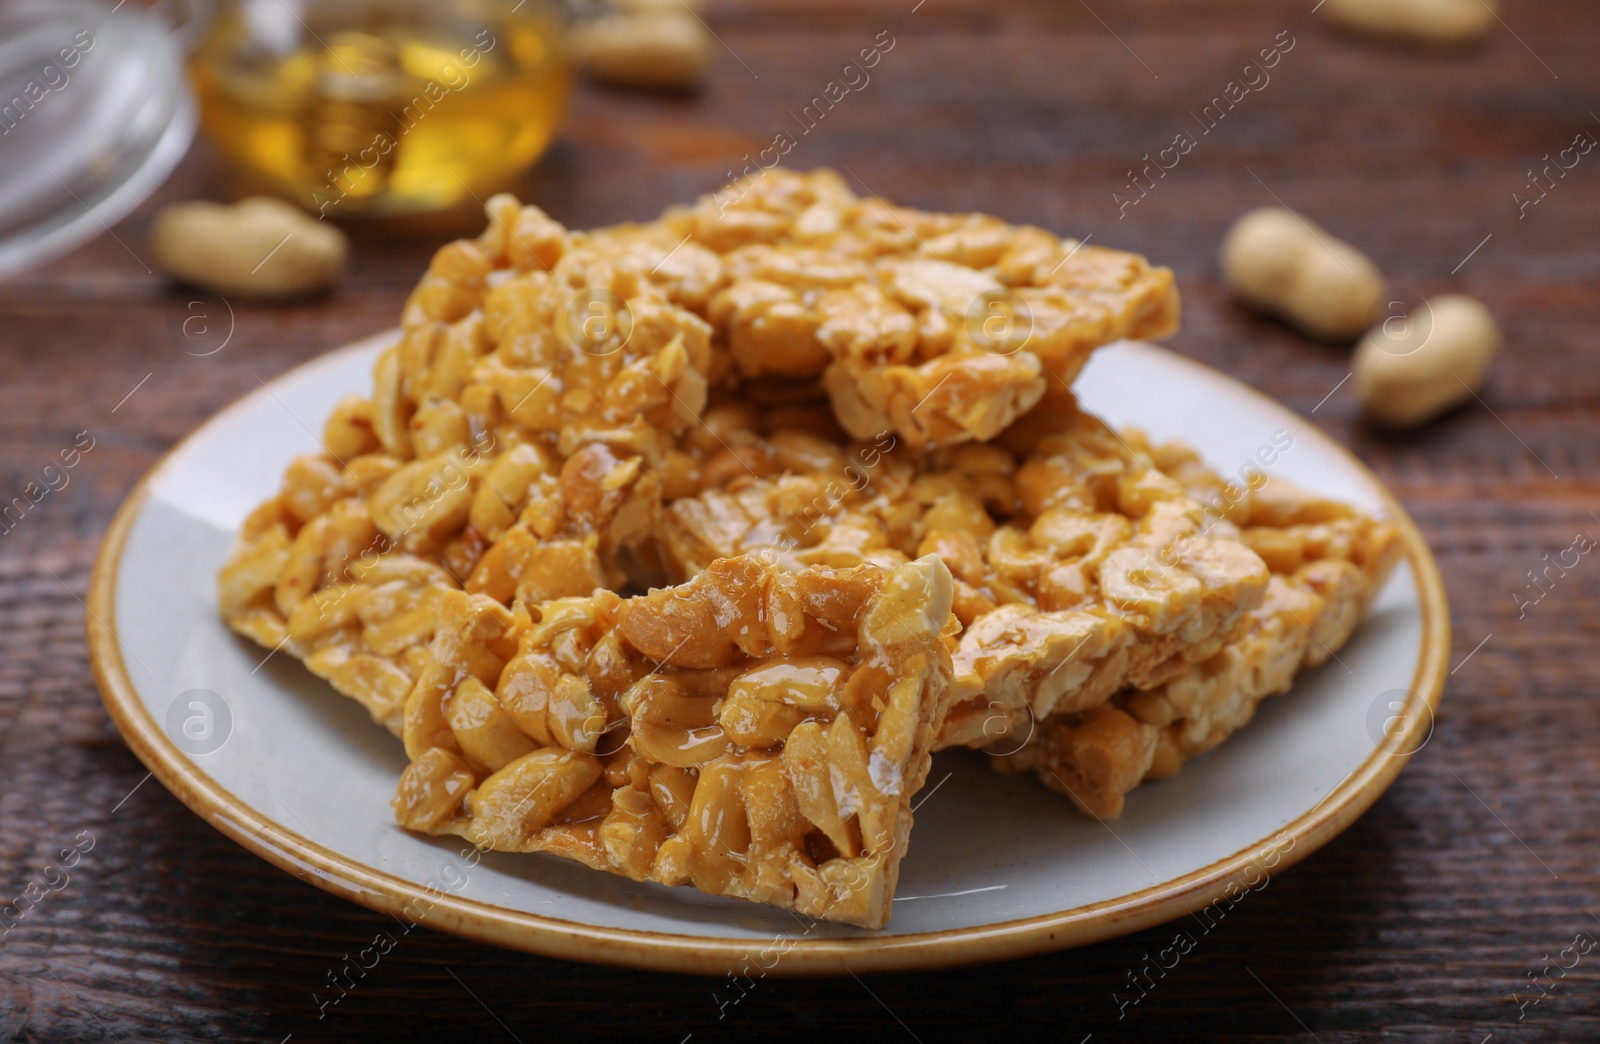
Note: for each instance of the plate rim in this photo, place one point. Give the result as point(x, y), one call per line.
point(690, 954)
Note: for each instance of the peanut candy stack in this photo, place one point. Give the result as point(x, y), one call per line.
point(535, 416)
point(845, 430)
point(1328, 562)
point(758, 733)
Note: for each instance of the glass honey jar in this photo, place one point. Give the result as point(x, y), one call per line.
point(381, 107)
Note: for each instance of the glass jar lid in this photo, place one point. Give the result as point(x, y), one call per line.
point(94, 114)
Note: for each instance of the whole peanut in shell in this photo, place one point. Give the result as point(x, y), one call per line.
point(1410, 371)
point(1281, 262)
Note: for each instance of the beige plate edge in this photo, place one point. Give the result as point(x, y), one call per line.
point(553, 937)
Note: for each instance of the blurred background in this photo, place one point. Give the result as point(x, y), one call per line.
point(1448, 142)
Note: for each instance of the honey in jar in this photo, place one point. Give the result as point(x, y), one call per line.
point(381, 108)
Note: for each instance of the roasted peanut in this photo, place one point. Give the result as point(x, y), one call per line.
point(431, 790)
point(258, 247)
point(512, 805)
point(348, 433)
point(1409, 373)
point(671, 727)
point(663, 49)
point(1280, 262)
point(487, 735)
point(1446, 22)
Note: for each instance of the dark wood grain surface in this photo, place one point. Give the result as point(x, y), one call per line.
point(1422, 922)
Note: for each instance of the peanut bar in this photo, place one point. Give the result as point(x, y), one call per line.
point(1328, 562)
point(756, 733)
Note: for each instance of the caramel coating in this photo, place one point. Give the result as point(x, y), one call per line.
point(1328, 562)
point(756, 732)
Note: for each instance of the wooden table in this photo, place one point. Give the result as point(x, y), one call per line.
point(1420, 923)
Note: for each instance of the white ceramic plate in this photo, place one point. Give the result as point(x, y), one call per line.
point(997, 866)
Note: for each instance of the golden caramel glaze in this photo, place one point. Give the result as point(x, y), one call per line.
point(1328, 562)
point(511, 445)
point(1080, 568)
point(756, 733)
point(939, 328)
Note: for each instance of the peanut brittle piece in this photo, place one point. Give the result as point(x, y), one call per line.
point(757, 733)
point(344, 568)
point(1328, 562)
point(305, 576)
point(512, 444)
point(1107, 577)
point(1079, 568)
point(940, 328)
point(533, 330)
